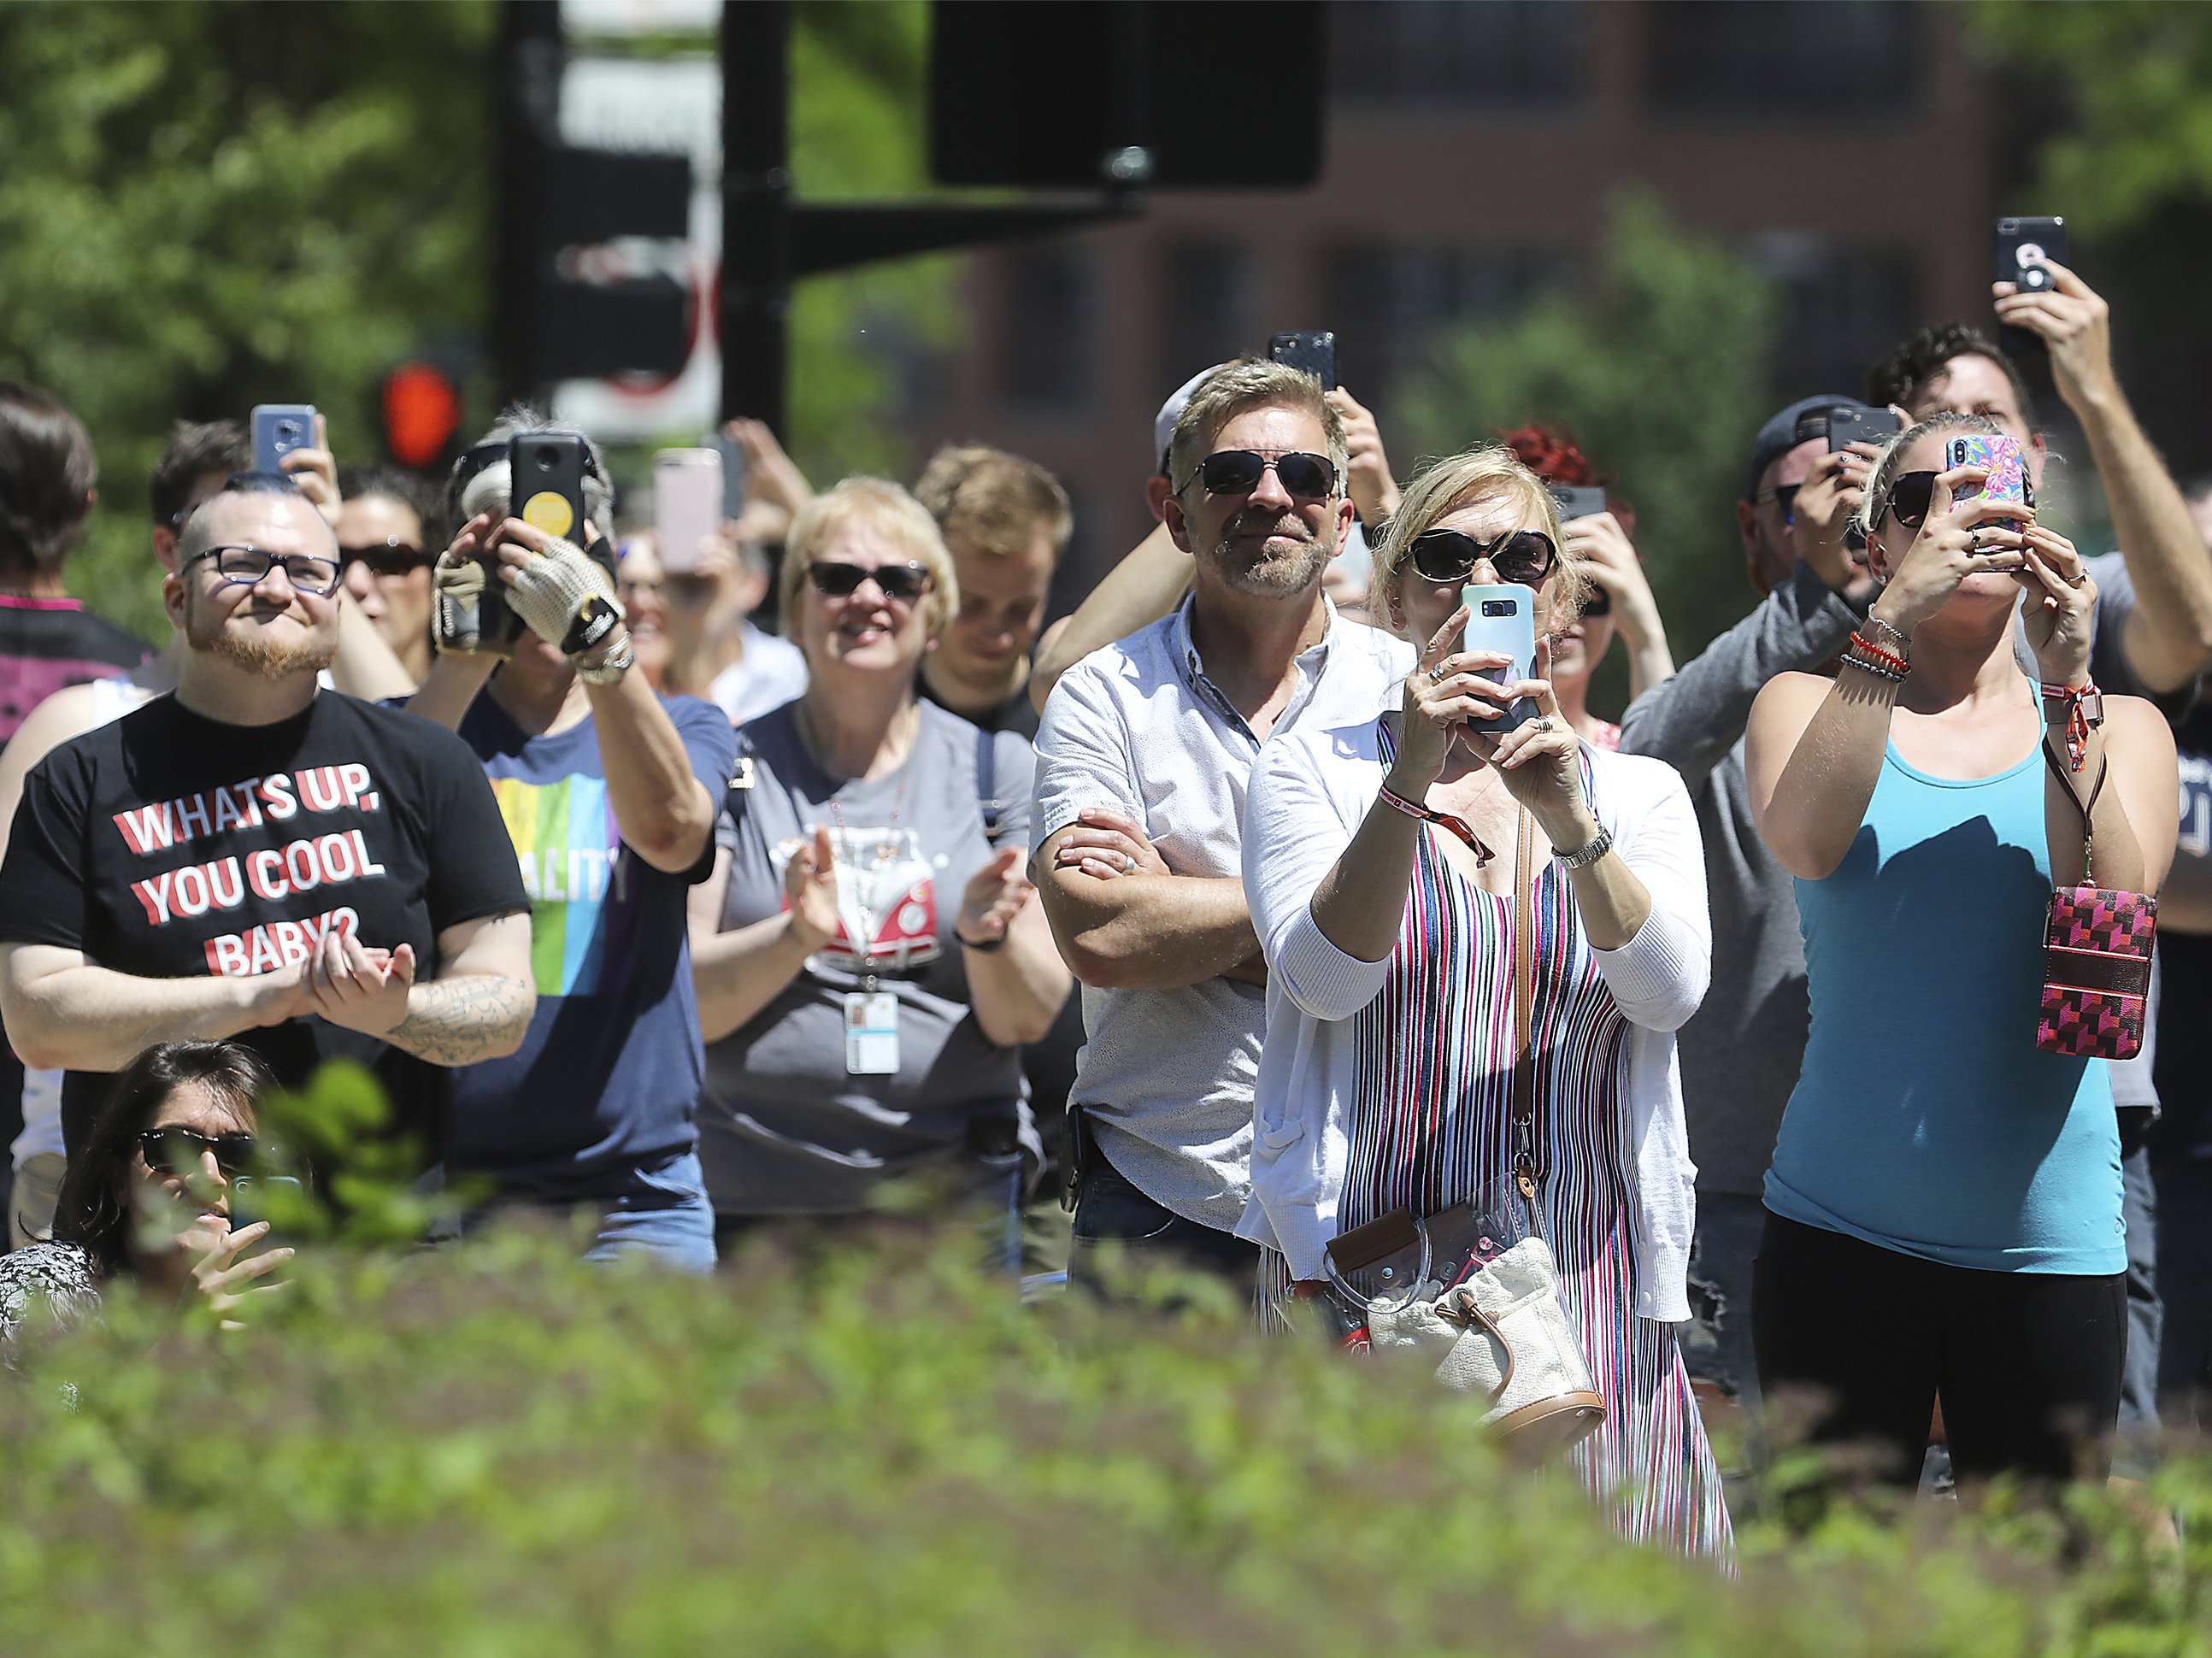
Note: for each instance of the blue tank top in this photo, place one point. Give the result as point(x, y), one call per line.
point(1926, 1119)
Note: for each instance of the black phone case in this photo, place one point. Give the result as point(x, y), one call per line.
point(2048, 234)
point(1312, 353)
point(1851, 426)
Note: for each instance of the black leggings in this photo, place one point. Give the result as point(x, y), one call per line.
point(2027, 1363)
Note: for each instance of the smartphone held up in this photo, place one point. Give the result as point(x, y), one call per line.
point(278, 429)
point(687, 505)
point(1503, 618)
point(2007, 483)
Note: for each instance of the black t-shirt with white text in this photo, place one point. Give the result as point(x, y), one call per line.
point(165, 845)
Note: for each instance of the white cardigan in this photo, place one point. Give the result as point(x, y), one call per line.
point(1309, 793)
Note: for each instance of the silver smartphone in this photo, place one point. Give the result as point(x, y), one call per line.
point(1503, 618)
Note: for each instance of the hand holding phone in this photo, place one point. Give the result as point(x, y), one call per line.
point(278, 429)
point(2025, 248)
point(2007, 483)
point(1849, 426)
point(1312, 354)
point(1503, 618)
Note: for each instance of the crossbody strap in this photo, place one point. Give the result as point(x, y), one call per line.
point(1524, 997)
point(986, 782)
point(2104, 765)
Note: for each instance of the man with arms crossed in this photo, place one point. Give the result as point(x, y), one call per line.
point(1143, 757)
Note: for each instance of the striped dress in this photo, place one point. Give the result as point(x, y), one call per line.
point(1433, 1121)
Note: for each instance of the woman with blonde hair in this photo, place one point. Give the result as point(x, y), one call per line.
point(1388, 866)
point(868, 955)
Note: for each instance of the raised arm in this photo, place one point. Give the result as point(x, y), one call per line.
point(2168, 639)
point(1691, 720)
point(1147, 584)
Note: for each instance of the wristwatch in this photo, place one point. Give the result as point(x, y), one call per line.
point(1588, 854)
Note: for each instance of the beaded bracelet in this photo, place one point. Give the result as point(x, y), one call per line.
point(1871, 657)
point(1904, 640)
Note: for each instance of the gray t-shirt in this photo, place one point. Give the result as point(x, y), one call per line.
point(783, 1128)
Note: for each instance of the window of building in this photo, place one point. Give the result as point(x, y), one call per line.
point(1388, 301)
point(1506, 54)
point(1842, 308)
point(1209, 303)
point(1801, 62)
point(1048, 328)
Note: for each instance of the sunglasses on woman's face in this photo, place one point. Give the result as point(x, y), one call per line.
point(1522, 555)
point(902, 583)
point(1239, 473)
point(385, 558)
point(1910, 493)
point(176, 1150)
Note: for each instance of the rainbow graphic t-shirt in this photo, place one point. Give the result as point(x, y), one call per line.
point(606, 1081)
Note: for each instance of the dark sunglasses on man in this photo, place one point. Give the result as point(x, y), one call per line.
point(176, 1150)
point(835, 579)
point(1239, 473)
point(1525, 556)
point(392, 556)
point(1782, 495)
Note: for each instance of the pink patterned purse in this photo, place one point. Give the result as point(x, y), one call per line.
point(2096, 960)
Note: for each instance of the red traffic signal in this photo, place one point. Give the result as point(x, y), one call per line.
point(422, 411)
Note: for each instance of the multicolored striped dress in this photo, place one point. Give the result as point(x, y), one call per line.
point(1432, 1122)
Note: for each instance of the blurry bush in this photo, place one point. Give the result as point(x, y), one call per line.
point(868, 1451)
point(1658, 366)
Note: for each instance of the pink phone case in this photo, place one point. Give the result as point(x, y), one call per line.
point(2008, 472)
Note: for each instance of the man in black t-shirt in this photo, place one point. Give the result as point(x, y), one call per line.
point(253, 857)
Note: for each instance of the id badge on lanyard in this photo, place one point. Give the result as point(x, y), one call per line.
point(872, 1038)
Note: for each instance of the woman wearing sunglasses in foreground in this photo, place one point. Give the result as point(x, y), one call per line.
point(868, 953)
point(1380, 861)
point(1944, 1201)
point(150, 1198)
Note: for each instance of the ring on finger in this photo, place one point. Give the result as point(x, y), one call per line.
point(1128, 863)
point(1543, 723)
point(1436, 674)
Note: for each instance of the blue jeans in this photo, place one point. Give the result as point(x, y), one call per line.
point(662, 1212)
point(1716, 1341)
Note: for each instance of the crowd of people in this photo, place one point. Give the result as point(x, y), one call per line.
point(1228, 916)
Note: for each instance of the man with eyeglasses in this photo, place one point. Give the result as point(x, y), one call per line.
point(1143, 756)
point(1742, 1051)
point(254, 858)
point(612, 791)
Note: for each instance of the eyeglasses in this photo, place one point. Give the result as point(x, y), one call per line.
point(1910, 493)
point(1239, 473)
point(308, 573)
point(391, 557)
point(178, 1149)
point(1786, 494)
point(1524, 556)
point(835, 579)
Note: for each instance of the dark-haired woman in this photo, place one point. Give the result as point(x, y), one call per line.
point(1944, 1201)
point(150, 1198)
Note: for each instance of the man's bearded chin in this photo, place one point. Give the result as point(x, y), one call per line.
point(259, 657)
point(1274, 577)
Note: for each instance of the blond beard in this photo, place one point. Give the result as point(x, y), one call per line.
point(257, 656)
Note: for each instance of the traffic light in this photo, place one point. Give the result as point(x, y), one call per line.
point(423, 411)
point(581, 292)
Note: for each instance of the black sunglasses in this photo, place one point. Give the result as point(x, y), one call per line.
point(176, 1150)
point(1910, 493)
point(1784, 494)
point(393, 557)
point(835, 579)
point(1524, 556)
point(1238, 471)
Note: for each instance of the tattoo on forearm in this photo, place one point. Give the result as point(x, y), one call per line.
point(461, 1020)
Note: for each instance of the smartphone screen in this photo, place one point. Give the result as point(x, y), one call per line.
point(687, 505)
point(1313, 354)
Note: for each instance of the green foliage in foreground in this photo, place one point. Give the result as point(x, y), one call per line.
point(497, 1452)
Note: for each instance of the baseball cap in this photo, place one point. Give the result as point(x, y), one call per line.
point(1802, 421)
point(1164, 423)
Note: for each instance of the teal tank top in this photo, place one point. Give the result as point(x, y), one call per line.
point(1926, 1119)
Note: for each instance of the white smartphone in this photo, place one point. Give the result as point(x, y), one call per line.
point(1503, 619)
point(687, 505)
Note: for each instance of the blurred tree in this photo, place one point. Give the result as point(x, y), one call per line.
point(863, 343)
point(2136, 76)
point(206, 204)
point(1659, 370)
